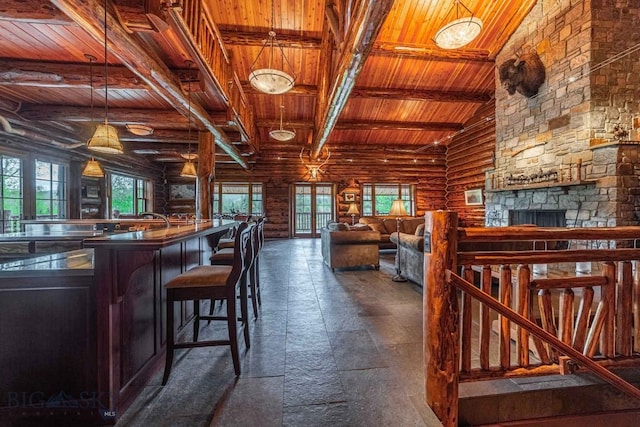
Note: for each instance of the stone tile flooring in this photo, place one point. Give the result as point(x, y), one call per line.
point(329, 349)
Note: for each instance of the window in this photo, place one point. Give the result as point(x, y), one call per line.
point(11, 194)
point(230, 198)
point(51, 194)
point(128, 195)
point(378, 198)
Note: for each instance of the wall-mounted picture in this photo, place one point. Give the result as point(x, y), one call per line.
point(92, 191)
point(349, 197)
point(182, 191)
point(473, 197)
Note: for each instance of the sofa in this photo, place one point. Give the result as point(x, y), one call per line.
point(387, 225)
point(410, 254)
point(344, 246)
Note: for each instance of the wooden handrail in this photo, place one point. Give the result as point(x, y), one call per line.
point(534, 329)
point(546, 257)
point(514, 233)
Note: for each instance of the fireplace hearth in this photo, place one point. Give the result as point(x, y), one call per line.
point(539, 217)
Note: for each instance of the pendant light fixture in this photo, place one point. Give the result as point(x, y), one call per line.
point(105, 139)
point(189, 169)
point(282, 134)
point(268, 79)
point(92, 168)
point(460, 31)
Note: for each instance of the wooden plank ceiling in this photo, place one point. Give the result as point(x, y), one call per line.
point(388, 84)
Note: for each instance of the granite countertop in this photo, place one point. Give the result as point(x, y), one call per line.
point(27, 236)
point(160, 237)
point(72, 263)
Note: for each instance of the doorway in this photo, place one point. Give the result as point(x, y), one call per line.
point(313, 207)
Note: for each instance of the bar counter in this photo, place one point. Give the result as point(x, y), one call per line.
point(82, 332)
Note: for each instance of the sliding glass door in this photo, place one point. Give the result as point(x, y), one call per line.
point(312, 208)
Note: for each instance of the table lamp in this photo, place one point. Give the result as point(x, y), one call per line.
point(398, 210)
point(353, 211)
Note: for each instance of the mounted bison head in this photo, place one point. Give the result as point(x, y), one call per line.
point(524, 74)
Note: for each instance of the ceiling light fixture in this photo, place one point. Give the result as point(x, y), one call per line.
point(105, 139)
point(189, 169)
point(460, 31)
point(282, 134)
point(268, 79)
point(92, 168)
point(140, 130)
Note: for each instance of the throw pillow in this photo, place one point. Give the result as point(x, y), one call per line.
point(359, 227)
point(338, 226)
point(420, 230)
point(378, 226)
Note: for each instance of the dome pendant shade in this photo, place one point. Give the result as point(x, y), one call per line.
point(282, 134)
point(268, 79)
point(273, 82)
point(105, 140)
point(93, 169)
point(458, 33)
point(188, 170)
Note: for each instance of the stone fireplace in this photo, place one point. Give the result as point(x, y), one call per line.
point(567, 133)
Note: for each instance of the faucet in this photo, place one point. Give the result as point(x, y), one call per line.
point(156, 215)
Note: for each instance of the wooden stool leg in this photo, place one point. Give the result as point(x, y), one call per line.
point(233, 332)
point(258, 279)
point(252, 285)
point(196, 320)
point(170, 337)
point(244, 311)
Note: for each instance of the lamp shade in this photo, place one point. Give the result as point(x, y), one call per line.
point(353, 209)
point(282, 134)
point(141, 130)
point(93, 169)
point(188, 170)
point(271, 81)
point(458, 33)
point(397, 208)
point(268, 73)
point(105, 140)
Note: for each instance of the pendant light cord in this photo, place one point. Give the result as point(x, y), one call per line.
point(106, 69)
point(189, 104)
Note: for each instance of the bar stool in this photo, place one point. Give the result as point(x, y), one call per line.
point(227, 242)
point(210, 282)
point(255, 267)
point(226, 257)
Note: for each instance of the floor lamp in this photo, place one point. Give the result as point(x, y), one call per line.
point(398, 210)
point(353, 211)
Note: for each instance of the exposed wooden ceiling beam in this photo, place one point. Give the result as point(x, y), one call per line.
point(146, 66)
point(422, 95)
point(430, 51)
point(47, 74)
point(363, 30)
point(370, 125)
point(65, 75)
point(162, 119)
point(298, 89)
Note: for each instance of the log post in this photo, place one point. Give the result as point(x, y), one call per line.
point(441, 316)
point(206, 172)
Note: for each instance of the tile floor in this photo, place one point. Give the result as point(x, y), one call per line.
point(329, 349)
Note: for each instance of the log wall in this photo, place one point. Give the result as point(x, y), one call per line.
point(470, 154)
point(279, 170)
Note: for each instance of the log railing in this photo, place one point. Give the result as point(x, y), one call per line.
point(553, 312)
point(206, 37)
